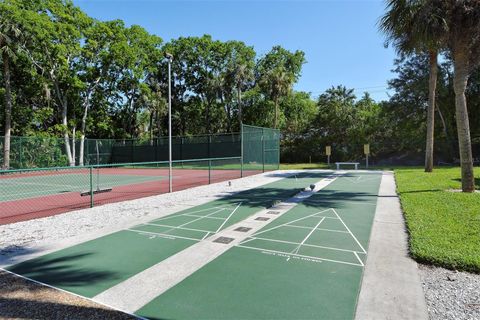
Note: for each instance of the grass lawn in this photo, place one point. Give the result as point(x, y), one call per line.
point(444, 226)
point(299, 166)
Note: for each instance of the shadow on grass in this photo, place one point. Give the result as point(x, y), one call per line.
point(421, 191)
point(477, 182)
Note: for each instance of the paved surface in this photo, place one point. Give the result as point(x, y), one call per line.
point(306, 264)
point(391, 286)
point(306, 259)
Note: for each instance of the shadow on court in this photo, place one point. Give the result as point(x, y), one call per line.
point(61, 271)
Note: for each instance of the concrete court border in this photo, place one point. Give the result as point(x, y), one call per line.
point(391, 286)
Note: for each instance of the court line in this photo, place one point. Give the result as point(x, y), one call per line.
point(323, 229)
point(173, 215)
point(194, 220)
point(281, 225)
point(164, 225)
point(228, 218)
point(356, 255)
point(355, 238)
point(162, 235)
point(320, 202)
point(296, 243)
point(306, 238)
point(197, 216)
point(300, 255)
point(53, 190)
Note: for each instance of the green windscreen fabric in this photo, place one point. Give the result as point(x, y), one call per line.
point(261, 148)
point(183, 148)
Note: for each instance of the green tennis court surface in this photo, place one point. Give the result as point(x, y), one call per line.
point(306, 264)
point(43, 185)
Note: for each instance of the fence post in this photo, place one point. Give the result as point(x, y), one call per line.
point(20, 152)
point(209, 171)
point(278, 149)
point(91, 186)
point(241, 150)
point(263, 150)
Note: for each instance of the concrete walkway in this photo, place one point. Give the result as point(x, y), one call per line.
point(391, 287)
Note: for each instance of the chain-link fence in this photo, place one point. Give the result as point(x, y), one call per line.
point(33, 193)
point(261, 152)
point(37, 192)
point(260, 148)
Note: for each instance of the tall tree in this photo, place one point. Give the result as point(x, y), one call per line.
point(9, 48)
point(277, 71)
point(463, 21)
point(409, 29)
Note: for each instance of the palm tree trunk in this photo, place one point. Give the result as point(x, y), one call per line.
point(8, 111)
point(432, 83)
point(460, 80)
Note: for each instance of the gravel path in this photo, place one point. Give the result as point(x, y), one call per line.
point(21, 299)
point(451, 294)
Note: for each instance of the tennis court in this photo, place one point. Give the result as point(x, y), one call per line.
point(305, 263)
point(38, 193)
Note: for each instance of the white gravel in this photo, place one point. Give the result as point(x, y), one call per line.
point(451, 294)
point(57, 231)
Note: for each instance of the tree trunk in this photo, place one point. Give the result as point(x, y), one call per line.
point(8, 112)
point(150, 127)
point(432, 83)
point(460, 80)
point(444, 124)
point(73, 144)
point(239, 100)
point(86, 106)
point(276, 113)
point(64, 104)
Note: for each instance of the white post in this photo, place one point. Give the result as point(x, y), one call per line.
point(170, 58)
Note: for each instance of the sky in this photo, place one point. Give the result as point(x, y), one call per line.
point(340, 38)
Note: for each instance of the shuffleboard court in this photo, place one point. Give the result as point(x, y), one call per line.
point(307, 264)
point(94, 266)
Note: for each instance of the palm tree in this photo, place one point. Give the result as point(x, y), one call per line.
point(279, 83)
point(242, 74)
point(463, 20)
point(9, 32)
point(410, 29)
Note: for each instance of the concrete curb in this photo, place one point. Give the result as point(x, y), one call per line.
point(391, 287)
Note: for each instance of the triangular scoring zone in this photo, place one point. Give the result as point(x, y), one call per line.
point(321, 216)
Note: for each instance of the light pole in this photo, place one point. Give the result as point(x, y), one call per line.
point(169, 58)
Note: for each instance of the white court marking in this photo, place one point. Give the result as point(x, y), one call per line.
point(165, 234)
point(301, 244)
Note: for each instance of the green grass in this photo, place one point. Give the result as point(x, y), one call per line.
point(324, 165)
point(298, 166)
point(444, 226)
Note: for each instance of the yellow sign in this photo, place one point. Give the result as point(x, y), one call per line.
point(366, 148)
point(328, 150)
